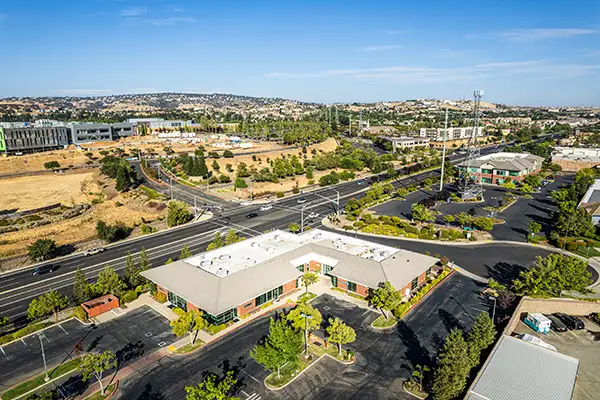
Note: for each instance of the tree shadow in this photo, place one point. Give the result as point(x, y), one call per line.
point(64, 250)
point(415, 353)
point(450, 321)
point(94, 343)
point(150, 394)
point(130, 352)
point(504, 272)
point(74, 386)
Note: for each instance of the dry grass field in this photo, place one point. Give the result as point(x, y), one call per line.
point(35, 162)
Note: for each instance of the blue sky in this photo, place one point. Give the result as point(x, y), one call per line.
point(520, 52)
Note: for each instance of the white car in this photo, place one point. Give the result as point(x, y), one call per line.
point(313, 215)
point(91, 252)
point(266, 207)
point(246, 203)
point(301, 201)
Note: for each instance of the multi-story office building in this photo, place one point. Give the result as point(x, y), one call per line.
point(497, 168)
point(31, 139)
point(437, 134)
point(85, 133)
point(404, 142)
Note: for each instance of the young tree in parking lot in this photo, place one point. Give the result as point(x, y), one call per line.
point(309, 278)
point(305, 318)
point(131, 272)
point(48, 303)
point(185, 252)
point(453, 367)
point(553, 274)
point(3, 321)
point(480, 337)
point(340, 333)
point(213, 388)
point(42, 249)
point(82, 291)
point(483, 223)
point(385, 297)
point(448, 219)
point(109, 282)
point(420, 213)
point(534, 227)
point(93, 364)
point(189, 324)
point(294, 227)
point(177, 213)
point(282, 345)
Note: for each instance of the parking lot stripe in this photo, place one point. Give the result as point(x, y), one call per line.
point(249, 375)
point(24, 343)
point(60, 326)
point(2, 348)
point(244, 393)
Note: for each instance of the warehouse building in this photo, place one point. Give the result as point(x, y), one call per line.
point(497, 168)
point(31, 139)
point(234, 280)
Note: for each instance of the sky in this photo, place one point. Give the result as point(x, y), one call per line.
point(519, 52)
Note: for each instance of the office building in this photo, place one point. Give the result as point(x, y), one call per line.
point(437, 134)
point(32, 139)
point(497, 168)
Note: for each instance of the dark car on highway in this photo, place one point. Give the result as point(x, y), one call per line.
point(44, 269)
point(570, 321)
point(252, 215)
point(556, 324)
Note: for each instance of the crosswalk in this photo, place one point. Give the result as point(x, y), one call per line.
point(253, 396)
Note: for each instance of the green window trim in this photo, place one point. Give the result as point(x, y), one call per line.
point(177, 301)
point(222, 318)
point(334, 281)
point(513, 173)
point(351, 287)
point(268, 296)
point(487, 171)
point(414, 283)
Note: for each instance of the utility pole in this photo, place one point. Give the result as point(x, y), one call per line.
point(41, 336)
point(444, 150)
point(251, 190)
point(302, 219)
point(306, 318)
point(493, 309)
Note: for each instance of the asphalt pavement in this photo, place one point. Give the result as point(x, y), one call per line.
point(384, 361)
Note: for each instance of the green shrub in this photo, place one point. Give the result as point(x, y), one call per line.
point(213, 329)
point(129, 296)
point(350, 217)
point(80, 314)
point(411, 235)
point(160, 297)
point(179, 311)
point(389, 230)
point(280, 195)
point(24, 332)
point(412, 229)
point(396, 220)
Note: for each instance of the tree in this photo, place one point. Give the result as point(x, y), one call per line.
point(480, 337)
point(144, 261)
point(228, 154)
point(385, 297)
point(112, 233)
point(340, 333)
point(215, 166)
point(509, 184)
point(464, 219)
point(110, 282)
point(553, 274)
point(189, 323)
point(282, 345)
point(185, 252)
point(308, 279)
point(419, 374)
point(131, 271)
point(305, 324)
point(3, 321)
point(242, 170)
point(93, 364)
point(240, 183)
point(42, 249)
point(449, 218)
point(178, 213)
point(82, 291)
point(294, 227)
point(574, 221)
point(52, 165)
point(231, 237)
point(215, 244)
point(534, 227)
point(483, 223)
point(420, 213)
point(212, 388)
point(48, 303)
point(453, 367)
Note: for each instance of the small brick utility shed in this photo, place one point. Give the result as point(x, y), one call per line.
point(100, 305)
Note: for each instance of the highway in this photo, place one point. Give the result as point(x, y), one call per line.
point(18, 288)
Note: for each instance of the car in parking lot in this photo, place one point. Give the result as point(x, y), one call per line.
point(572, 323)
point(246, 203)
point(301, 201)
point(252, 215)
point(556, 324)
point(91, 252)
point(44, 269)
point(361, 182)
point(266, 207)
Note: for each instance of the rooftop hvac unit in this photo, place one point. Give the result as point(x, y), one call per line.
point(276, 237)
point(253, 244)
point(317, 236)
point(224, 257)
point(269, 249)
point(383, 253)
point(206, 263)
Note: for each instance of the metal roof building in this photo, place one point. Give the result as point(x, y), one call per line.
point(225, 279)
point(521, 370)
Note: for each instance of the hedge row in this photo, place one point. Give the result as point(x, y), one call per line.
point(403, 308)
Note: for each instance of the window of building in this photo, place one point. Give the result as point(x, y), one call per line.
point(499, 181)
point(177, 301)
point(333, 281)
point(487, 171)
point(352, 286)
point(327, 269)
point(270, 295)
point(428, 272)
point(514, 173)
point(300, 267)
point(501, 172)
point(473, 169)
point(414, 283)
point(221, 318)
point(486, 180)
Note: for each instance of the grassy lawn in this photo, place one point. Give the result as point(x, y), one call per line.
point(381, 322)
point(190, 347)
point(100, 396)
point(39, 380)
point(306, 297)
point(332, 350)
point(288, 372)
point(413, 388)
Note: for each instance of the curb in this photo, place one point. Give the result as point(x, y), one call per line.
point(391, 326)
point(428, 293)
point(411, 393)
point(40, 386)
point(39, 330)
point(110, 395)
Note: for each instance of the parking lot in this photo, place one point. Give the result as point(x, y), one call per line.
point(138, 332)
point(385, 359)
point(539, 208)
point(583, 345)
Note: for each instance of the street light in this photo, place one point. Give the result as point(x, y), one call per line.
point(336, 201)
point(41, 336)
point(493, 309)
point(306, 318)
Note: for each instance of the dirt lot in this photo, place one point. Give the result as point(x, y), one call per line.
point(26, 193)
point(35, 162)
point(111, 206)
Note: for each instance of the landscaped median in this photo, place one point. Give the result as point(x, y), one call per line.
point(108, 392)
point(40, 380)
point(405, 307)
point(291, 371)
point(384, 323)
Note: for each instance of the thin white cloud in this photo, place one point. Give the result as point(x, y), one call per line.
point(170, 21)
point(133, 11)
point(83, 91)
point(383, 47)
point(536, 69)
point(536, 34)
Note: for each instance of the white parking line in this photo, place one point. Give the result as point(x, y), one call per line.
point(60, 326)
point(24, 343)
point(249, 375)
point(2, 348)
point(245, 394)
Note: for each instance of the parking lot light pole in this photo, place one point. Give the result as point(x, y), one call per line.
point(493, 309)
point(306, 318)
point(41, 336)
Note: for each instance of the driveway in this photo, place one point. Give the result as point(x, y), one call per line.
point(385, 358)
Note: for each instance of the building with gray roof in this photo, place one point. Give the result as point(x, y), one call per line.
point(518, 369)
point(497, 168)
point(236, 279)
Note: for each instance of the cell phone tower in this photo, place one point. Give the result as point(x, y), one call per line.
point(470, 183)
